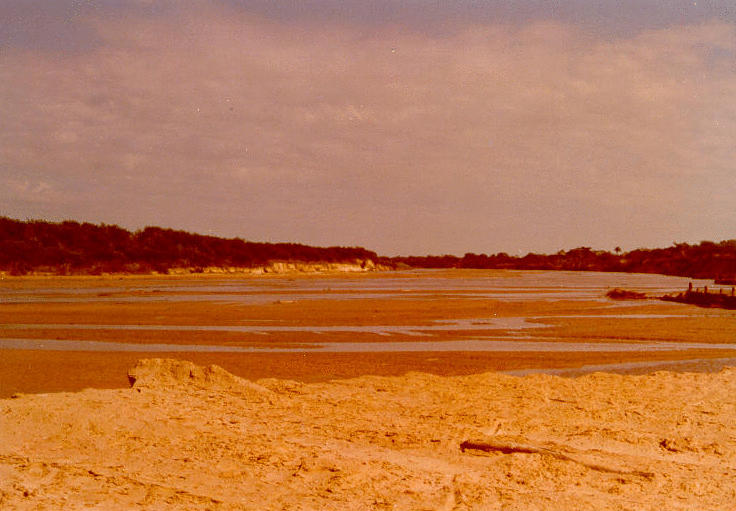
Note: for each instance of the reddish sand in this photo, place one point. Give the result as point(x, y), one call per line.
point(55, 371)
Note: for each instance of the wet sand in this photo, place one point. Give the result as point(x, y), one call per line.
point(23, 371)
point(101, 304)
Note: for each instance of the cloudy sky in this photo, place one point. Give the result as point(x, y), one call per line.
point(405, 126)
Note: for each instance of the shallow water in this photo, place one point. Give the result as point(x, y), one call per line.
point(511, 324)
point(695, 365)
point(502, 323)
point(503, 285)
point(484, 345)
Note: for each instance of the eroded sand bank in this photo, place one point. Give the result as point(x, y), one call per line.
point(190, 438)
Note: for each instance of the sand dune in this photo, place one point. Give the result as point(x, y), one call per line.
point(189, 437)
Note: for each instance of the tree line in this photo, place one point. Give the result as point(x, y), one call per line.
point(707, 260)
point(71, 247)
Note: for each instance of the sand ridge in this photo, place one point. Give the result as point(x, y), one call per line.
point(188, 437)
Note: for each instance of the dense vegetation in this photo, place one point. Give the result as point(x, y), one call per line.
point(704, 260)
point(72, 247)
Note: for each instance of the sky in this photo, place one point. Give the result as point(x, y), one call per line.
point(407, 127)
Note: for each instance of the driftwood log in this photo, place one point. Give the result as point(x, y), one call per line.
point(509, 447)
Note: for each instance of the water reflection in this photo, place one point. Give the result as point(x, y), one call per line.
point(367, 347)
point(503, 285)
point(501, 323)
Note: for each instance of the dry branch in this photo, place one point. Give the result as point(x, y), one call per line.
point(506, 447)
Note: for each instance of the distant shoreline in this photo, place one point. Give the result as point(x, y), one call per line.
point(290, 268)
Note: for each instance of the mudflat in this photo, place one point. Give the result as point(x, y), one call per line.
point(306, 311)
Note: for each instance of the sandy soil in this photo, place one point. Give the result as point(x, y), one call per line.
point(186, 437)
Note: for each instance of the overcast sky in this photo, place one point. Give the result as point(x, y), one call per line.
point(407, 127)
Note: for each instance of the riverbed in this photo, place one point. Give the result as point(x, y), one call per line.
point(65, 333)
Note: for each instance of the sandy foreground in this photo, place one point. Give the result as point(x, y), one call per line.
point(193, 437)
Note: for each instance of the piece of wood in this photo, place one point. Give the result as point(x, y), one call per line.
point(506, 447)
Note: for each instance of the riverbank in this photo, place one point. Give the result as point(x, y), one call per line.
point(704, 298)
point(274, 267)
